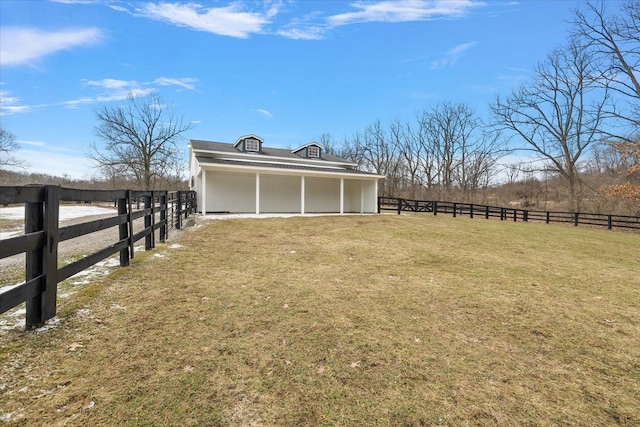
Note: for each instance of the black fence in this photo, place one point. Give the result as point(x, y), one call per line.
point(472, 210)
point(159, 211)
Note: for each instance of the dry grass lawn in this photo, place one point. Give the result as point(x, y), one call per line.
point(345, 321)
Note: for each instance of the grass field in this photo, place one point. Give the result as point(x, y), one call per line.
point(345, 321)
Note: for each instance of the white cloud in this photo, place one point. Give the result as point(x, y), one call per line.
point(11, 104)
point(303, 33)
point(230, 20)
point(452, 55)
point(109, 90)
point(24, 46)
point(264, 113)
point(31, 143)
point(185, 82)
point(315, 26)
point(403, 11)
point(118, 90)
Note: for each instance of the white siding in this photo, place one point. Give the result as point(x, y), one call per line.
point(322, 195)
point(231, 192)
point(279, 194)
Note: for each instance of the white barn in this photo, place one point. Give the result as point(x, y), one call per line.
point(247, 177)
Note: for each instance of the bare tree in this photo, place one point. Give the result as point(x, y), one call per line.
point(139, 139)
point(450, 136)
point(557, 114)
point(407, 144)
point(614, 42)
point(378, 155)
point(8, 145)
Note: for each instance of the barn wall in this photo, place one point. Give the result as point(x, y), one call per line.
point(231, 192)
point(322, 195)
point(279, 194)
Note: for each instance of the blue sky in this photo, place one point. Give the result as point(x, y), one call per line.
point(287, 71)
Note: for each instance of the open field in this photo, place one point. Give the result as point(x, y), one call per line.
point(378, 320)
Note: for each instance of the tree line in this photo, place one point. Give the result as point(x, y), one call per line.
point(579, 110)
point(581, 105)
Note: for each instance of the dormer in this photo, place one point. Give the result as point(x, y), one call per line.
point(249, 144)
point(312, 150)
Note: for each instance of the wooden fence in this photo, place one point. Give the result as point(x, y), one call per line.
point(160, 211)
point(508, 214)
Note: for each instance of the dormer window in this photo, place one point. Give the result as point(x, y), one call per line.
point(251, 144)
point(313, 151)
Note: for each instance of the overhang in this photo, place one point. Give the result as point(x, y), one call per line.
point(212, 163)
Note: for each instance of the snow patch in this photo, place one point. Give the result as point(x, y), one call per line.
point(175, 246)
point(51, 324)
point(66, 212)
point(9, 234)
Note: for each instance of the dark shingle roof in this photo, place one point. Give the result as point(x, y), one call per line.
point(198, 144)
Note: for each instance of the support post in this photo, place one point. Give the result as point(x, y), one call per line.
point(375, 193)
point(123, 229)
point(34, 221)
point(302, 195)
point(486, 212)
point(576, 220)
point(609, 222)
point(399, 205)
point(435, 207)
point(257, 194)
point(163, 217)
point(179, 209)
point(455, 209)
point(341, 195)
point(471, 213)
point(52, 212)
point(204, 191)
point(129, 211)
point(153, 219)
point(148, 239)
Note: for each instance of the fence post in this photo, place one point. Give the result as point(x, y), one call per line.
point(435, 207)
point(153, 219)
point(525, 215)
point(399, 205)
point(609, 222)
point(455, 208)
point(515, 215)
point(179, 210)
point(148, 241)
point(163, 216)
point(52, 212)
point(378, 204)
point(486, 212)
point(548, 217)
point(123, 229)
point(575, 220)
point(34, 221)
point(471, 213)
